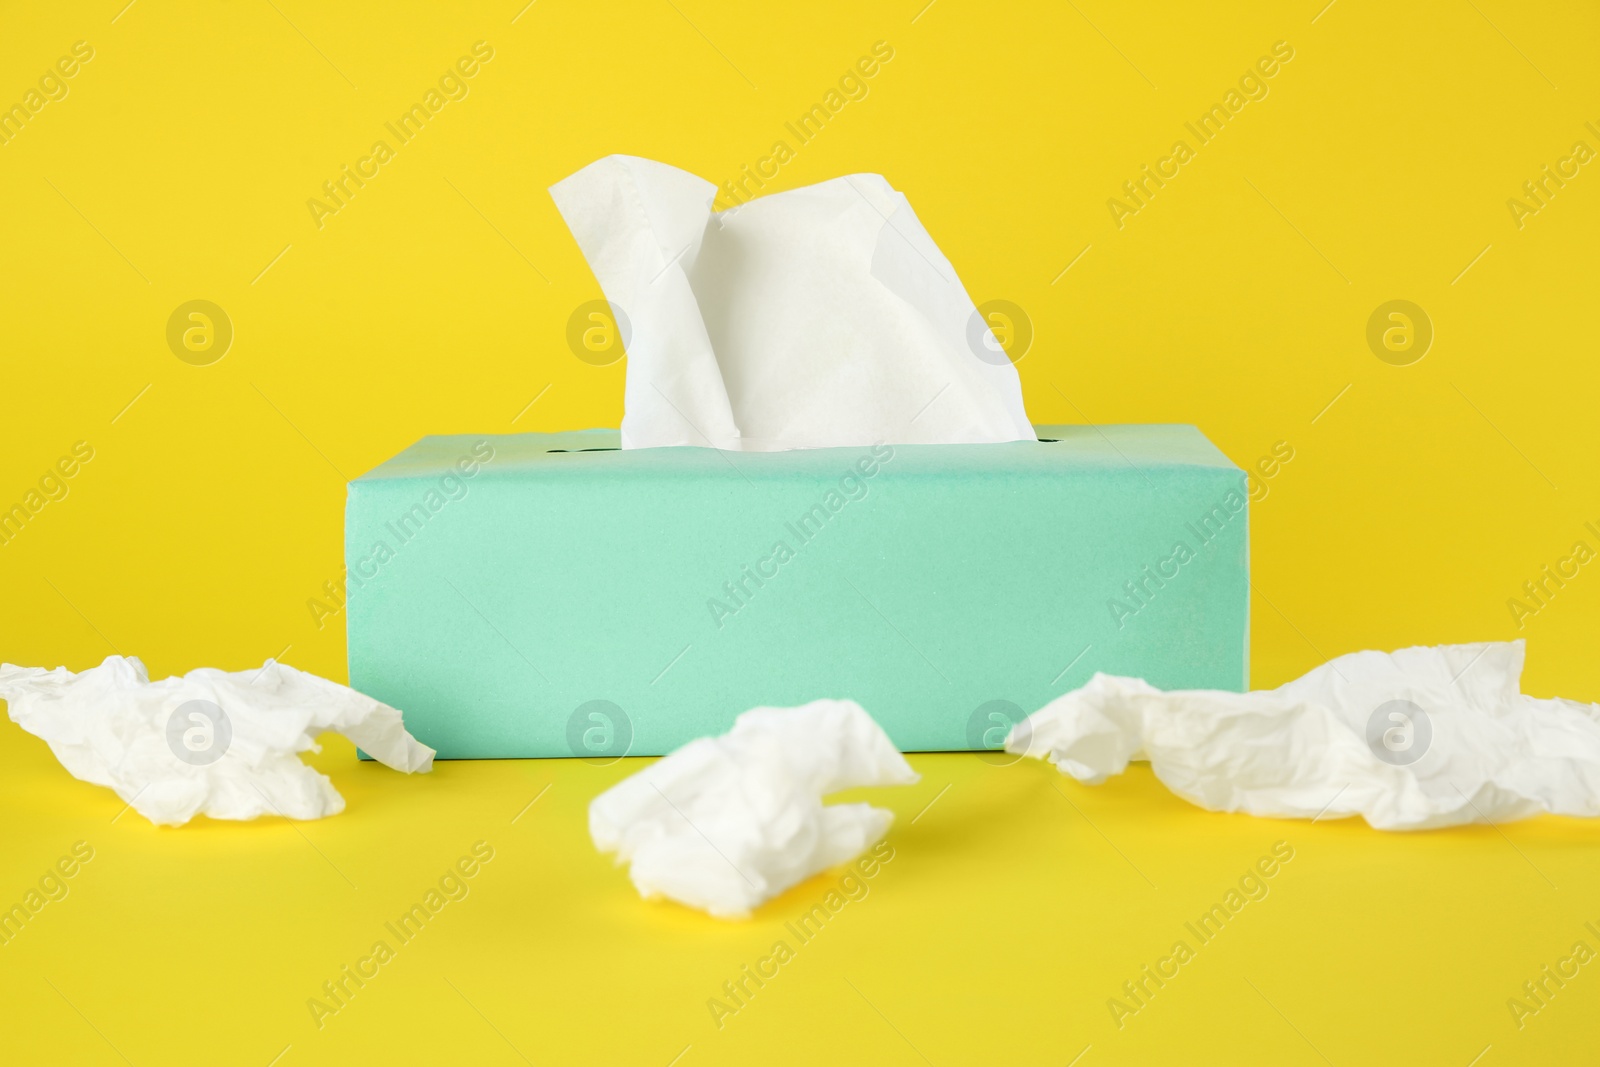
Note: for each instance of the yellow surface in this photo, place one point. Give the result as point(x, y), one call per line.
point(1378, 167)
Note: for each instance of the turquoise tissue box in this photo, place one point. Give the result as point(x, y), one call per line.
point(551, 595)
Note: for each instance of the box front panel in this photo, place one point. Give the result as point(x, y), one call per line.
point(557, 613)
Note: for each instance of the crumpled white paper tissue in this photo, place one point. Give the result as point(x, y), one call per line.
point(818, 317)
point(1419, 738)
point(725, 823)
point(209, 742)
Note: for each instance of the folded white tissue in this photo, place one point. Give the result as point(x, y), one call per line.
point(1419, 738)
point(811, 318)
point(209, 742)
point(725, 823)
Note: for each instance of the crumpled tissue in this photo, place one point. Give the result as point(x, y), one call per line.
point(725, 823)
point(1409, 740)
point(817, 317)
point(209, 742)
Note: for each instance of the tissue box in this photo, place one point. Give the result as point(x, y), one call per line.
point(551, 595)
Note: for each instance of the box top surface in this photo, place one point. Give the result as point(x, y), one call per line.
point(1141, 446)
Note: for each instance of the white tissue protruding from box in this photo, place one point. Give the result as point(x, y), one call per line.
point(210, 742)
point(725, 823)
point(1345, 739)
point(817, 317)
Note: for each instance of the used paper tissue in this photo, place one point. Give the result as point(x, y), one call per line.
point(813, 318)
point(1419, 738)
point(209, 742)
point(725, 823)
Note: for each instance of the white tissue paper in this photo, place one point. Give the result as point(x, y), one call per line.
point(817, 317)
point(1419, 738)
point(209, 742)
point(725, 823)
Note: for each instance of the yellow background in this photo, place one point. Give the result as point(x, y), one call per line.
point(1378, 167)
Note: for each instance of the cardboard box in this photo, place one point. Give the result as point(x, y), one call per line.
point(551, 595)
